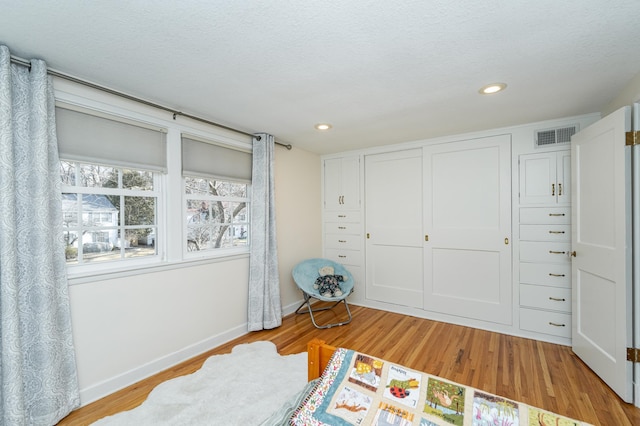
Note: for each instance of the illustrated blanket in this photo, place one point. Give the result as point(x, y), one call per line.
point(357, 389)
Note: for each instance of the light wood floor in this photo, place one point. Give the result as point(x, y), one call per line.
point(540, 374)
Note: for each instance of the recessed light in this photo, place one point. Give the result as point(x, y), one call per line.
point(492, 88)
point(323, 126)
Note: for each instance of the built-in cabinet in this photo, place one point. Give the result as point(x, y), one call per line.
point(342, 221)
point(545, 178)
point(342, 183)
point(427, 228)
point(545, 243)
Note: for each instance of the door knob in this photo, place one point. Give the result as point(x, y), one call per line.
point(573, 254)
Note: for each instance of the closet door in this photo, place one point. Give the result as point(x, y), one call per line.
point(393, 223)
point(467, 218)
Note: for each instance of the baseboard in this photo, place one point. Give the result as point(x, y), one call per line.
point(291, 308)
point(100, 390)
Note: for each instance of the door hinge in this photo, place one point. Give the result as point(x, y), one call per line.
point(633, 138)
point(633, 354)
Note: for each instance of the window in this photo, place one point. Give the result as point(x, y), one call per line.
point(118, 211)
point(127, 207)
point(216, 187)
point(216, 214)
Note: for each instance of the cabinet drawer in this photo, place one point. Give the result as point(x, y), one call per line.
point(344, 257)
point(342, 228)
point(342, 216)
point(544, 215)
point(553, 298)
point(550, 232)
point(550, 274)
point(547, 252)
point(554, 323)
point(342, 241)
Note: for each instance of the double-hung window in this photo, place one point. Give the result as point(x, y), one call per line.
point(111, 174)
point(216, 197)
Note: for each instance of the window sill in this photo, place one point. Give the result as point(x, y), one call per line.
point(138, 269)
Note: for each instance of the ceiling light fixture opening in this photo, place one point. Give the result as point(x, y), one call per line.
point(492, 88)
point(323, 126)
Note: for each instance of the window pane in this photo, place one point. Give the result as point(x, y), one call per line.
point(68, 173)
point(95, 176)
point(139, 211)
point(196, 185)
point(238, 189)
point(140, 243)
point(137, 179)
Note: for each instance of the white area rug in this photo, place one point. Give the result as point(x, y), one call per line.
point(240, 388)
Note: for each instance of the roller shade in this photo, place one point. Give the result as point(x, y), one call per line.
point(208, 159)
point(93, 139)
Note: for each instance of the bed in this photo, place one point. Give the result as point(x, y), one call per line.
point(347, 387)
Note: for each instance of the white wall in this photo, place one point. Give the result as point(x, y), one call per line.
point(130, 327)
point(628, 95)
point(298, 216)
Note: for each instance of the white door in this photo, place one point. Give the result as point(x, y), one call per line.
point(467, 217)
point(601, 240)
point(393, 224)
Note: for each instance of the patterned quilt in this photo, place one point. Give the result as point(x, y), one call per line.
point(357, 389)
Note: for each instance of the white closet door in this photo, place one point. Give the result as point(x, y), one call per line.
point(393, 223)
point(467, 217)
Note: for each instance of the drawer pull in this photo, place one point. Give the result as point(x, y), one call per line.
point(556, 232)
point(553, 189)
point(557, 252)
point(555, 299)
point(342, 241)
point(560, 189)
point(556, 214)
point(556, 275)
point(342, 227)
point(344, 215)
point(556, 325)
point(342, 256)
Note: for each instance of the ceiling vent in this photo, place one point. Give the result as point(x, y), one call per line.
point(557, 136)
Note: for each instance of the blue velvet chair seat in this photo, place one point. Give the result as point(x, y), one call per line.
point(305, 274)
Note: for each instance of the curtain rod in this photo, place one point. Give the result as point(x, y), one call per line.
point(25, 63)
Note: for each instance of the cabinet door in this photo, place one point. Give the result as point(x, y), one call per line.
point(538, 178)
point(563, 177)
point(342, 183)
point(332, 183)
point(351, 183)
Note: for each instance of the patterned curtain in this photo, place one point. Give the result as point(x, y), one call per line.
point(265, 310)
point(38, 378)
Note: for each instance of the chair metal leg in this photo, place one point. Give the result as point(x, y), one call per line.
point(307, 301)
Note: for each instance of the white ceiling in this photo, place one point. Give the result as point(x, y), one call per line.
point(380, 71)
